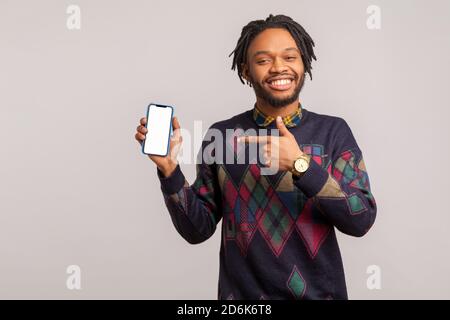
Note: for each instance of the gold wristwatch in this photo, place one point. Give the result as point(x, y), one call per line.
point(301, 165)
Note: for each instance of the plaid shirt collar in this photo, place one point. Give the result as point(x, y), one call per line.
point(290, 121)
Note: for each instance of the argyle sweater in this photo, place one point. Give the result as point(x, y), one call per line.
point(278, 236)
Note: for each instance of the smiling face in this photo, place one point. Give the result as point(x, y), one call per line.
point(275, 67)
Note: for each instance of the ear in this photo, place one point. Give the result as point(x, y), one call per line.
point(244, 67)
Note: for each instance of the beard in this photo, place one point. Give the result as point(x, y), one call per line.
point(274, 101)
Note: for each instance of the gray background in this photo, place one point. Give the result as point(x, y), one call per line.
point(75, 188)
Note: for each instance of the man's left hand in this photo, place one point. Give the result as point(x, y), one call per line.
point(285, 143)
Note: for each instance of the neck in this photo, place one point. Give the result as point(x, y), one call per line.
point(269, 110)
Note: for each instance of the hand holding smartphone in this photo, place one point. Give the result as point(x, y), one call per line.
point(155, 136)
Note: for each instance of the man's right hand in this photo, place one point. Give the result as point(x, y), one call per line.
point(168, 163)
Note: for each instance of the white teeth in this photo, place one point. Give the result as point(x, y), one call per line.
point(281, 82)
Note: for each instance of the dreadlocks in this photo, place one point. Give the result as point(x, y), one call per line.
point(252, 29)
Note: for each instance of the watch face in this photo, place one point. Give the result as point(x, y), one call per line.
point(301, 165)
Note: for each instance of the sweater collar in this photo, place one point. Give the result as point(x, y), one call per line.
point(290, 121)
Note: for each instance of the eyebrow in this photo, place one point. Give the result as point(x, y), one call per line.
point(267, 52)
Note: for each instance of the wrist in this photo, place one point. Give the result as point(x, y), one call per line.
point(296, 155)
point(168, 169)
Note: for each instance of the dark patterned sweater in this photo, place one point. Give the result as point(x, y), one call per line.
point(278, 231)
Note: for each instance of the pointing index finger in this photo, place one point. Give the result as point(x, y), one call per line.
point(254, 139)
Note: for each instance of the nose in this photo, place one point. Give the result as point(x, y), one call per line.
point(278, 66)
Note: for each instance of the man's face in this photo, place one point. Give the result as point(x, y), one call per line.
point(275, 67)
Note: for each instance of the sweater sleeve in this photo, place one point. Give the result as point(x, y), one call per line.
point(194, 209)
point(342, 192)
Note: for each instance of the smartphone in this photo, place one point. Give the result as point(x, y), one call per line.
point(159, 126)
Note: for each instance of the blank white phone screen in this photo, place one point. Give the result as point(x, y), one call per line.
point(158, 126)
